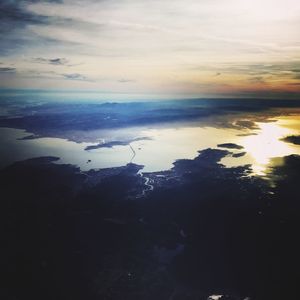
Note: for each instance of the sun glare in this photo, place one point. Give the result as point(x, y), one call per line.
point(267, 144)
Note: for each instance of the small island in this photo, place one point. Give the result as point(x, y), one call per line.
point(294, 139)
point(230, 146)
point(115, 143)
point(240, 154)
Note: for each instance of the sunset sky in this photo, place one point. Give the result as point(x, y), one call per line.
point(171, 48)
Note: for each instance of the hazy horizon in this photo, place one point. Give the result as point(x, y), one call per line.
point(83, 95)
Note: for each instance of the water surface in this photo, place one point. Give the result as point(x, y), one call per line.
point(162, 147)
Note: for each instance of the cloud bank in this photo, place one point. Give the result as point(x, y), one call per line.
point(205, 48)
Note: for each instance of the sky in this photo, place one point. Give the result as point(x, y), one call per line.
point(166, 48)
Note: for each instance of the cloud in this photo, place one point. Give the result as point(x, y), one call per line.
point(251, 68)
point(123, 80)
point(51, 61)
point(7, 70)
point(170, 46)
point(76, 76)
point(13, 13)
point(257, 79)
point(14, 21)
point(56, 75)
point(296, 73)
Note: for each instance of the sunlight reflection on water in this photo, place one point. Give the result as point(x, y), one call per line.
point(167, 144)
point(266, 144)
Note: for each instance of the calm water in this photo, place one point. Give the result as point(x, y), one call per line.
point(165, 146)
point(267, 144)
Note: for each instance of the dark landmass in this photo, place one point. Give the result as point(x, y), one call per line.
point(59, 119)
point(230, 146)
point(239, 154)
point(204, 229)
point(115, 143)
point(30, 137)
point(246, 124)
point(247, 134)
point(294, 139)
point(37, 161)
